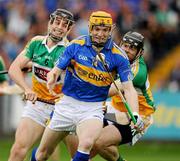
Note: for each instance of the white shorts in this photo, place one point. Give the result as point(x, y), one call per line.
point(39, 112)
point(69, 112)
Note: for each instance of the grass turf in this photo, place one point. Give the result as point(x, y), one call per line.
point(142, 151)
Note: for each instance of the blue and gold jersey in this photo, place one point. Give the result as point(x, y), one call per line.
point(86, 79)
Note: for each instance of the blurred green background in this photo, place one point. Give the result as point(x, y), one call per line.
point(142, 151)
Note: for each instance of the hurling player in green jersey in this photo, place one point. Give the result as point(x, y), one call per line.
point(43, 52)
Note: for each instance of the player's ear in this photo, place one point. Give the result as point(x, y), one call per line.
point(113, 27)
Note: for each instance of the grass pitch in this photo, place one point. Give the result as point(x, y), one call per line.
point(142, 151)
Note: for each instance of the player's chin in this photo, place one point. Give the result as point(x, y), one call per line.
point(130, 56)
point(99, 41)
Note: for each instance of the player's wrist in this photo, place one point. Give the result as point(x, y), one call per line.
point(136, 114)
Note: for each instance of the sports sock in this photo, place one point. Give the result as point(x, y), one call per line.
point(81, 156)
point(33, 154)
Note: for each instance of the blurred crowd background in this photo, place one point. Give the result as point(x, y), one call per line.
point(157, 20)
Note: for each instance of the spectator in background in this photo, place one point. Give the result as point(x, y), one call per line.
point(82, 24)
point(18, 19)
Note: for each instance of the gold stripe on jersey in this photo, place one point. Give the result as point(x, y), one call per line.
point(93, 76)
point(135, 68)
point(77, 41)
point(42, 91)
point(144, 108)
point(149, 93)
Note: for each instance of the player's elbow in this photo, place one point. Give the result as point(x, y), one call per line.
point(11, 70)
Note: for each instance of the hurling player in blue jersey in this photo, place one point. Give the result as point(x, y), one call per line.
point(86, 86)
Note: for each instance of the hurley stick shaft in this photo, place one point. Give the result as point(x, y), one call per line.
point(4, 72)
point(119, 92)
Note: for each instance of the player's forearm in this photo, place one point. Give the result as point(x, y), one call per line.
point(113, 90)
point(16, 74)
point(55, 73)
point(132, 98)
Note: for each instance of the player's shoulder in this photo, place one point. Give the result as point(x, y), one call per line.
point(81, 40)
point(139, 69)
point(118, 51)
point(142, 64)
point(38, 38)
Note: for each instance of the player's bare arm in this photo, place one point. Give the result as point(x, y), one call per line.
point(131, 95)
point(16, 74)
point(52, 77)
point(113, 91)
point(132, 99)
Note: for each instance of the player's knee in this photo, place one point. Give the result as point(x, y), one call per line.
point(86, 144)
point(99, 144)
point(42, 155)
point(113, 152)
point(19, 150)
point(114, 156)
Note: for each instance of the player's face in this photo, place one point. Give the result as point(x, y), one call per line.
point(130, 50)
point(100, 34)
point(60, 26)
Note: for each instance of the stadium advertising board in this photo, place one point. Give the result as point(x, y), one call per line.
point(166, 118)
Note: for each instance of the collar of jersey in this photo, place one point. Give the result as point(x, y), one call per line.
point(108, 44)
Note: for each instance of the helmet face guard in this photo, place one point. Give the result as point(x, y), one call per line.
point(134, 39)
point(61, 14)
point(100, 18)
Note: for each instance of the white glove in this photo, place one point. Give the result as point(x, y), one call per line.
point(139, 122)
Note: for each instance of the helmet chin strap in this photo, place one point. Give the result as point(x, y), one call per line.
point(137, 56)
point(98, 45)
point(54, 38)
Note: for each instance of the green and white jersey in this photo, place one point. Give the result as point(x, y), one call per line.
point(2, 67)
point(44, 59)
point(142, 86)
point(141, 82)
